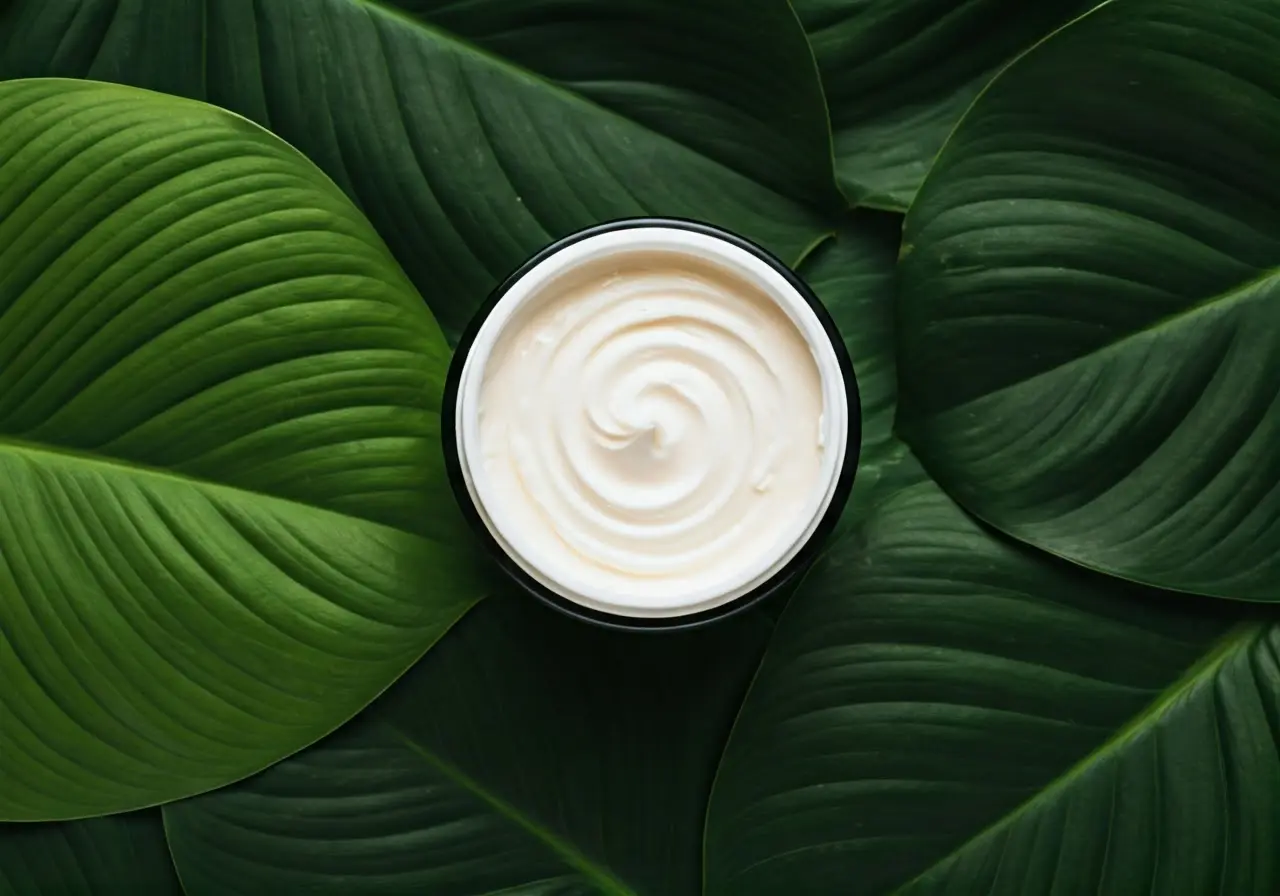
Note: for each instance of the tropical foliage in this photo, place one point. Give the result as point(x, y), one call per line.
point(247, 645)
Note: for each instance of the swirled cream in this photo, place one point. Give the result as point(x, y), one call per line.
point(648, 423)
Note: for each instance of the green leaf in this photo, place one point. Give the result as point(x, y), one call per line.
point(122, 855)
point(854, 278)
point(1091, 354)
point(898, 76)
point(528, 753)
point(940, 711)
point(225, 525)
point(474, 133)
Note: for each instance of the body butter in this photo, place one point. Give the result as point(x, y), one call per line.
point(651, 422)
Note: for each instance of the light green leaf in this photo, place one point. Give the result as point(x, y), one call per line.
point(225, 525)
point(943, 712)
point(1091, 350)
point(527, 754)
point(473, 133)
point(122, 855)
point(899, 74)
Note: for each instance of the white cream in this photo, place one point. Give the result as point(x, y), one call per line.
point(651, 422)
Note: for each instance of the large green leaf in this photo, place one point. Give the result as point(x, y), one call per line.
point(1091, 349)
point(899, 73)
point(472, 133)
point(225, 525)
point(527, 754)
point(940, 711)
point(122, 855)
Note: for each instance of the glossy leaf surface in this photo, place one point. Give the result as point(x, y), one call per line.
point(941, 712)
point(528, 753)
point(899, 74)
point(1091, 350)
point(474, 133)
point(122, 855)
point(221, 528)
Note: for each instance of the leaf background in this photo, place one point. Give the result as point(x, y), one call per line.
point(467, 161)
point(111, 856)
point(937, 709)
point(1088, 299)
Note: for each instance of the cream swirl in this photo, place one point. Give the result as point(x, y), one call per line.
point(652, 432)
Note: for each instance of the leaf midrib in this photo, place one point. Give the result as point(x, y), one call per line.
point(413, 22)
point(1219, 652)
point(601, 877)
point(129, 468)
point(1234, 295)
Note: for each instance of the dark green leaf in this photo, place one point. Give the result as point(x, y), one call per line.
point(473, 133)
point(899, 74)
point(528, 753)
point(1091, 350)
point(854, 278)
point(123, 855)
point(223, 526)
point(941, 712)
point(733, 79)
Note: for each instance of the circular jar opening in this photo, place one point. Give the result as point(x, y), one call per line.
point(652, 423)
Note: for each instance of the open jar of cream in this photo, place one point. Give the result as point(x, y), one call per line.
point(652, 423)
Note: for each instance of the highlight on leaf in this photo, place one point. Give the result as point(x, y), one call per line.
point(221, 527)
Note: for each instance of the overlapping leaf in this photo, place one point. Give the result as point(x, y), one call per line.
point(224, 523)
point(1091, 349)
point(224, 527)
point(942, 712)
point(121, 855)
point(853, 277)
point(898, 75)
point(473, 133)
point(528, 753)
